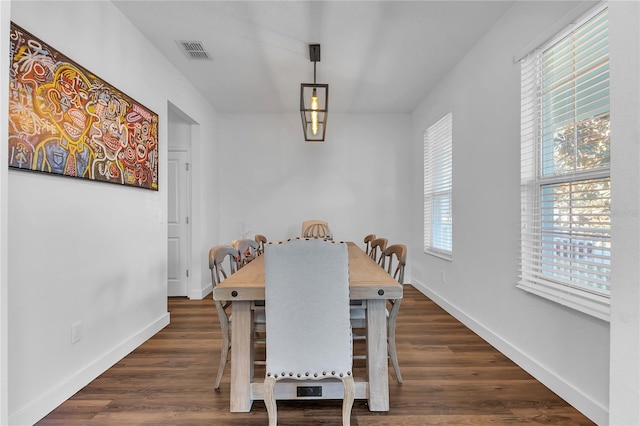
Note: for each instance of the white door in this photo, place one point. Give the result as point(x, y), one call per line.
point(178, 223)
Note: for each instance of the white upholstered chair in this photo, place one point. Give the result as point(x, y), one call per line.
point(316, 229)
point(393, 260)
point(218, 257)
point(307, 311)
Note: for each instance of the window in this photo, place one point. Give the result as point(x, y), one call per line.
point(565, 177)
point(438, 220)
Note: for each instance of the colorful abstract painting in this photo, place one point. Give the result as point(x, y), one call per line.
point(65, 120)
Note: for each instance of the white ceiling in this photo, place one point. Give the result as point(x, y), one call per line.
point(377, 56)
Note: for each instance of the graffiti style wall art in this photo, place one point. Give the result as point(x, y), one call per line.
point(65, 120)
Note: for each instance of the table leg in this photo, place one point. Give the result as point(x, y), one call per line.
point(377, 364)
point(241, 356)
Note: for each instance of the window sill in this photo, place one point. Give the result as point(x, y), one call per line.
point(440, 254)
point(588, 303)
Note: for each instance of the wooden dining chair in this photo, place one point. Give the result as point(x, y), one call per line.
point(355, 304)
point(310, 222)
point(261, 240)
point(378, 247)
point(316, 229)
point(393, 261)
point(374, 246)
point(247, 250)
point(367, 242)
point(307, 311)
point(218, 256)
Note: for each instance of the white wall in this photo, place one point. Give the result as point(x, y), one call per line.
point(566, 350)
point(625, 183)
point(271, 179)
point(5, 10)
point(88, 251)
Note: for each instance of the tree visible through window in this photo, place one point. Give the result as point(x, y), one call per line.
point(576, 214)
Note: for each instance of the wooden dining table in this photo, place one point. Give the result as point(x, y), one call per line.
point(367, 282)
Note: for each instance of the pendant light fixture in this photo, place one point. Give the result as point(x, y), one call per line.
point(314, 103)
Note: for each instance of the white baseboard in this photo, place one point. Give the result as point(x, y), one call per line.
point(48, 401)
point(566, 391)
point(201, 293)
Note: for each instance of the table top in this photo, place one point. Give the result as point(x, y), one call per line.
point(367, 280)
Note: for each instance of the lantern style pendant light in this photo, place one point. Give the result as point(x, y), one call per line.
point(314, 103)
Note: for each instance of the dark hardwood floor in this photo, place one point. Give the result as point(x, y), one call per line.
point(451, 377)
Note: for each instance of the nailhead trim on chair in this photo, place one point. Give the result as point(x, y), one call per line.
point(307, 374)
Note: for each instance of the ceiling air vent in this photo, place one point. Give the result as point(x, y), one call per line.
point(194, 50)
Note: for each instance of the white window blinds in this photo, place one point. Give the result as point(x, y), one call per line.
point(565, 178)
point(438, 219)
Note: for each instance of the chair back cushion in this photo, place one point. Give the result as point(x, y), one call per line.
point(307, 308)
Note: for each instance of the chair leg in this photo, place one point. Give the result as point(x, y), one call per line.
point(394, 355)
point(224, 354)
point(270, 401)
point(391, 332)
point(347, 402)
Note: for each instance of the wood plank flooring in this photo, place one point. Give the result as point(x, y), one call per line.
point(451, 377)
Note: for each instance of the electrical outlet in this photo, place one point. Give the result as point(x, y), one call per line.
point(76, 332)
point(309, 391)
point(444, 277)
